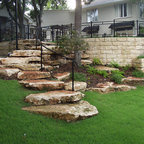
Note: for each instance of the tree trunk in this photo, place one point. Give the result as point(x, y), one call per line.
point(78, 19)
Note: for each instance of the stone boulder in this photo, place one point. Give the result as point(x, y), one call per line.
point(67, 112)
point(133, 81)
point(9, 73)
point(77, 86)
point(86, 62)
point(32, 75)
point(62, 76)
point(109, 87)
point(54, 97)
point(43, 84)
point(17, 60)
point(26, 53)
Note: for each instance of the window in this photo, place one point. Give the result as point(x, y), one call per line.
point(141, 6)
point(122, 10)
point(92, 15)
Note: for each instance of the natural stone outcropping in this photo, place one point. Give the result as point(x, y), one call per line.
point(43, 84)
point(9, 73)
point(67, 112)
point(32, 75)
point(62, 76)
point(54, 97)
point(77, 86)
point(110, 87)
point(133, 81)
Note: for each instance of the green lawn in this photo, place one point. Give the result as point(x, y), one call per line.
point(120, 120)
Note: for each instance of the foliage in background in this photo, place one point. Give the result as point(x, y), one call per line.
point(138, 73)
point(117, 76)
point(97, 61)
point(56, 4)
point(69, 44)
point(79, 77)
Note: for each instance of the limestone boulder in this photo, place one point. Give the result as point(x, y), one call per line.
point(9, 73)
point(43, 84)
point(26, 53)
point(67, 112)
point(32, 75)
point(62, 76)
point(133, 81)
point(17, 60)
point(54, 97)
point(27, 67)
point(86, 62)
point(109, 87)
point(77, 86)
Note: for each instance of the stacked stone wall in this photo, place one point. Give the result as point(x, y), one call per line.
point(122, 50)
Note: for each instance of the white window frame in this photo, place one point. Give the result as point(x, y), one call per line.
point(92, 15)
point(121, 10)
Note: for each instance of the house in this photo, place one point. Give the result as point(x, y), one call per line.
point(7, 26)
point(121, 17)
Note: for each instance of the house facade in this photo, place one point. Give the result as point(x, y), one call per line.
point(104, 15)
point(7, 27)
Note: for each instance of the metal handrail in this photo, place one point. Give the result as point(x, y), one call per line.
point(72, 59)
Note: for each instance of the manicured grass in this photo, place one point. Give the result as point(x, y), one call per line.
point(120, 120)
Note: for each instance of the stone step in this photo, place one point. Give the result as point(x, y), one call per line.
point(109, 87)
point(107, 69)
point(54, 97)
point(9, 73)
point(18, 60)
point(67, 112)
point(62, 76)
point(43, 84)
point(133, 81)
point(32, 75)
point(26, 53)
point(77, 86)
point(86, 62)
point(26, 67)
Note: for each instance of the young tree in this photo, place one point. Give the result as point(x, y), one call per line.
point(78, 19)
point(21, 7)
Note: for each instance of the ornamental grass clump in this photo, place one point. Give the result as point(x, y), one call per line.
point(117, 76)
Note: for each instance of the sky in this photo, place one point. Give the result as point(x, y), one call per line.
point(71, 4)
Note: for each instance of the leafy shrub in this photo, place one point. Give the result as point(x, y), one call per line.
point(91, 70)
point(117, 76)
point(79, 77)
point(138, 73)
point(67, 44)
point(140, 57)
point(114, 64)
point(103, 73)
point(97, 61)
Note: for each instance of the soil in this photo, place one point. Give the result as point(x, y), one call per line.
point(92, 80)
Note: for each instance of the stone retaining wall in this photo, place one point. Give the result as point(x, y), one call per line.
point(122, 50)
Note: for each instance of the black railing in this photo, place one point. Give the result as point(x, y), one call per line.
point(54, 52)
